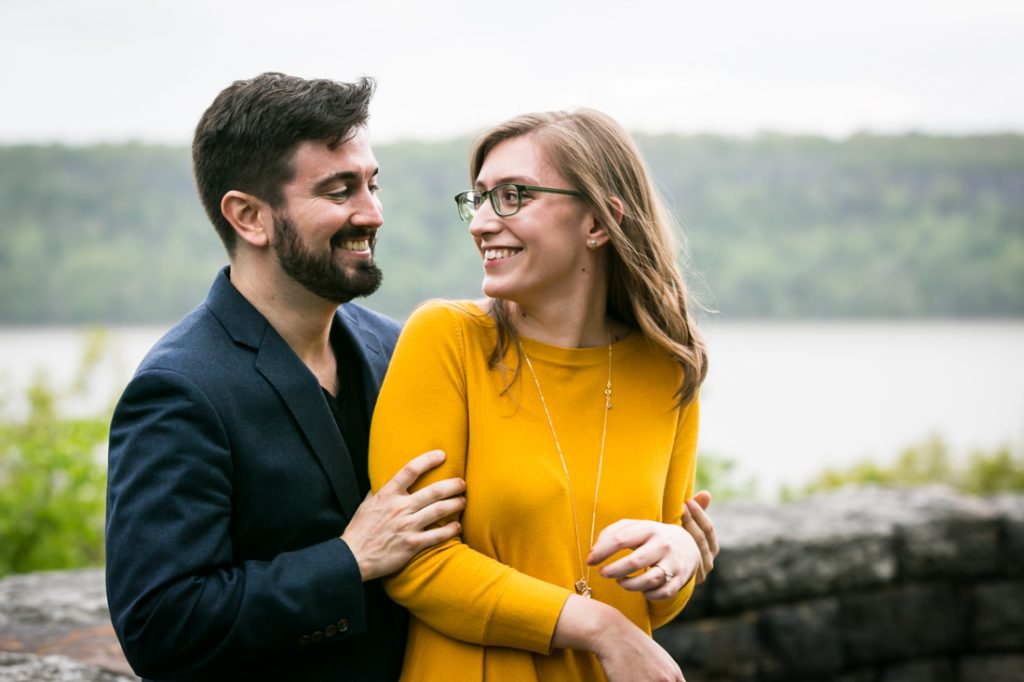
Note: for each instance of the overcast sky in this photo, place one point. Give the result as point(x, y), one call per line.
point(115, 70)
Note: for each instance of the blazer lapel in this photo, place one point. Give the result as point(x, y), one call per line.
point(293, 381)
point(371, 354)
point(297, 386)
point(301, 392)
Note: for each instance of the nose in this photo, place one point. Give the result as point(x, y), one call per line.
point(368, 212)
point(485, 221)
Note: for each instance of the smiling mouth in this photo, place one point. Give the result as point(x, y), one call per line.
point(355, 244)
point(499, 253)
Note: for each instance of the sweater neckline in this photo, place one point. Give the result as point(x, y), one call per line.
point(581, 357)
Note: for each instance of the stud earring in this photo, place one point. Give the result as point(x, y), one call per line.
point(592, 244)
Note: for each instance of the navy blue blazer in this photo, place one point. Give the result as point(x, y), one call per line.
point(228, 485)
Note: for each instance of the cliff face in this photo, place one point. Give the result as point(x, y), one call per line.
point(861, 585)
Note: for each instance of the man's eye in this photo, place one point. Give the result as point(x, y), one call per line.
point(374, 189)
point(509, 195)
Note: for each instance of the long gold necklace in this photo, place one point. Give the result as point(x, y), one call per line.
point(583, 584)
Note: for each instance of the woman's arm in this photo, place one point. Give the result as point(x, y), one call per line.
point(624, 650)
point(454, 589)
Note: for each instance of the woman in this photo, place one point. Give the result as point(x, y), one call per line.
point(568, 401)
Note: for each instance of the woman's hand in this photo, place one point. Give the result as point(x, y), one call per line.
point(625, 651)
point(664, 556)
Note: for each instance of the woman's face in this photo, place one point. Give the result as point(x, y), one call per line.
point(541, 250)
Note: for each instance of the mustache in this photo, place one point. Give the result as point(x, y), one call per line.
point(344, 235)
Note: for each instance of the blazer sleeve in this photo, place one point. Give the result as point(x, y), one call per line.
point(451, 587)
point(679, 488)
point(179, 601)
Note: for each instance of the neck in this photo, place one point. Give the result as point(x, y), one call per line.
point(302, 318)
point(578, 319)
point(561, 327)
point(574, 315)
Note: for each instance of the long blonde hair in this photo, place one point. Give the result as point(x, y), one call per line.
point(646, 289)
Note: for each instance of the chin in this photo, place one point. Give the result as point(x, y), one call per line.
point(493, 289)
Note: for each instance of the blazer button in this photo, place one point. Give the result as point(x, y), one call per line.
point(304, 640)
point(342, 625)
point(317, 636)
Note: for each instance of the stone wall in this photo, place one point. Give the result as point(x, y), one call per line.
point(55, 626)
point(862, 585)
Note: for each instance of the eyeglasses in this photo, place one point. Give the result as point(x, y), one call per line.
point(506, 199)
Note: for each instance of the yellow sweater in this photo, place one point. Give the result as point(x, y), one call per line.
point(484, 605)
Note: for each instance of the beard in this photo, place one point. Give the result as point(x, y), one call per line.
point(318, 272)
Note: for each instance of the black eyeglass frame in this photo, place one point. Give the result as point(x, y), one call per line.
point(462, 202)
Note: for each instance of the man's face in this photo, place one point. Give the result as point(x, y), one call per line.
point(326, 229)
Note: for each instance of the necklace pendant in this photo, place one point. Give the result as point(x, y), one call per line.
point(582, 588)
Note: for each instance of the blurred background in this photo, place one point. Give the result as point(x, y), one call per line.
point(849, 178)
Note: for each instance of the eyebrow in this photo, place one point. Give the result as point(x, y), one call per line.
point(341, 176)
point(510, 180)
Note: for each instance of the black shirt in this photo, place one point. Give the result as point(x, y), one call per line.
point(349, 407)
point(350, 413)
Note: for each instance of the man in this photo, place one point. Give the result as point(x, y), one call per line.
point(242, 542)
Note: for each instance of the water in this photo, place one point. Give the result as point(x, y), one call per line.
point(783, 399)
point(788, 399)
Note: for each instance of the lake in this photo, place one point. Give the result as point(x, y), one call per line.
point(783, 399)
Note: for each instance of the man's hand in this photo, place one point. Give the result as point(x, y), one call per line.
point(700, 527)
point(389, 528)
point(664, 556)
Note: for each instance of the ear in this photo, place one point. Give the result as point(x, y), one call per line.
point(598, 233)
point(249, 215)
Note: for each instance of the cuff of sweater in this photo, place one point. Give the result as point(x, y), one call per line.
point(525, 614)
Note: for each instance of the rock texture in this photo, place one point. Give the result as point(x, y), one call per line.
point(30, 668)
point(860, 585)
point(55, 626)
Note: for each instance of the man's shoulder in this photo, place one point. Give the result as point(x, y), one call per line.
point(197, 345)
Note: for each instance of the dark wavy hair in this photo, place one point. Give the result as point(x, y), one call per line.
point(245, 140)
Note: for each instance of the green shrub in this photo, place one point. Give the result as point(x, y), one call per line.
point(52, 481)
point(982, 473)
point(718, 476)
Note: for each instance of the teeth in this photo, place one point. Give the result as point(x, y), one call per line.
point(494, 254)
point(356, 245)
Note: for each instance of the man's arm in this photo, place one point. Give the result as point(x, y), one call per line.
point(179, 600)
point(391, 526)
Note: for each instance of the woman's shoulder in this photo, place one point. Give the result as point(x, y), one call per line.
point(444, 316)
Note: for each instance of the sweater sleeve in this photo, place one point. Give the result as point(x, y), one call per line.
point(679, 488)
point(451, 587)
